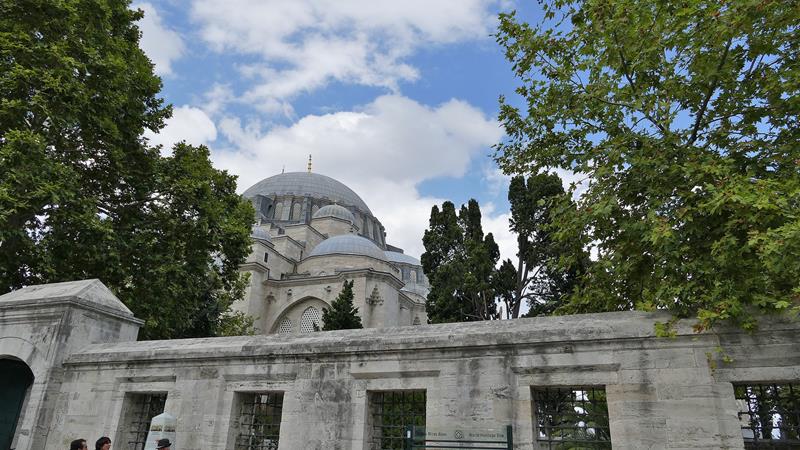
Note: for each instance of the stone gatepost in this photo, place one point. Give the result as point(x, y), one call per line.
point(41, 326)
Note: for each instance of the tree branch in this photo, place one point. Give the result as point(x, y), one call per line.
point(711, 89)
point(626, 73)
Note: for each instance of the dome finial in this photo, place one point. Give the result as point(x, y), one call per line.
point(309, 163)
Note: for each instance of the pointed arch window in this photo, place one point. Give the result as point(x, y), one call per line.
point(311, 316)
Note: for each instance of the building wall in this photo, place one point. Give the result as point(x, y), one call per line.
point(662, 393)
point(305, 235)
point(285, 296)
point(288, 247)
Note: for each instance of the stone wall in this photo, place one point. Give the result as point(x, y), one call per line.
point(662, 393)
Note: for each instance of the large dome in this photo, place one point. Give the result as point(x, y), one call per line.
point(348, 244)
point(307, 184)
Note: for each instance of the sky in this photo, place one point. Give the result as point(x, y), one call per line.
point(396, 99)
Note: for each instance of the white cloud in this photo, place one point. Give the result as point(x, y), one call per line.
point(569, 178)
point(302, 45)
point(381, 151)
point(161, 44)
point(186, 124)
point(498, 225)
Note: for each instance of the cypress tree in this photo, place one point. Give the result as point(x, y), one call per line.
point(342, 315)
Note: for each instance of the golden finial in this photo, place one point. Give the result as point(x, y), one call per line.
point(309, 163)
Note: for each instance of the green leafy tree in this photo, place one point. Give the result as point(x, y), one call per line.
point(342, 315)
point(82, 195)
point(684, 116)
point(459, 261)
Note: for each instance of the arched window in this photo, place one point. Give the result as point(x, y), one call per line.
point(296, 211)
point(310, 317)
point(279, 211)
point(285, 326)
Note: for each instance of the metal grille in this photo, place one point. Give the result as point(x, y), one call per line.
point(285, 327)
point(769, 415)
point(311, 316)
point(391, 412)
point(572, 417)
point(260, 421)
point(143, 408)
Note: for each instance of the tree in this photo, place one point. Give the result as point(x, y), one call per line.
point(539, 278)
point(459, 261)
point(684, 117)
point(342, 315)
point(82, 195)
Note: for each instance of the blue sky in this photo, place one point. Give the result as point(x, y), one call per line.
point(398, 100)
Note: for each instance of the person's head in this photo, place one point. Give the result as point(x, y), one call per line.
point(104, 443)
point(78, 444)
point(163, 443)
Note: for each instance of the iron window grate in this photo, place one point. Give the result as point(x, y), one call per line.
point(145, 407)
point(572, 417)
point(769, 415)
point(391, 412)
point(260, 421)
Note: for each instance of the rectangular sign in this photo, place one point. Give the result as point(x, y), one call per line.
point(460, 434)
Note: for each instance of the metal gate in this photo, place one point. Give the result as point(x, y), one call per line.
point(15, 379)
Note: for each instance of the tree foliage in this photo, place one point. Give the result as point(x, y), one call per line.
point(546, 268)
point(459, 261)
point(342, 315)
point(684, 117)
point(82, 195)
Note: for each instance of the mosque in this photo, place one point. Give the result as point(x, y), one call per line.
point(312, 233)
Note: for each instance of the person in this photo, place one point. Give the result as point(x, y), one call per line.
point(163, 443)
point(78, 444)
point(104, 443)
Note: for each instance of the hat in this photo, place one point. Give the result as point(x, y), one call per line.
point(163, 443)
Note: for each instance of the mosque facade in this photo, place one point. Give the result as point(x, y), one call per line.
point(312, 233)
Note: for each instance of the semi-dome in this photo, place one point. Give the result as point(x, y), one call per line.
point(337, 211)
point(348, 244)
point(261, 233)
point(402, 258)
point(307, 184)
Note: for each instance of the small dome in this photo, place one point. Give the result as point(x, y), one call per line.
point(337, 211)
point(402, 258)
point(348, 244)
point(261, 233)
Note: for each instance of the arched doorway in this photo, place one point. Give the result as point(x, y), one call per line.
point(15, 380)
